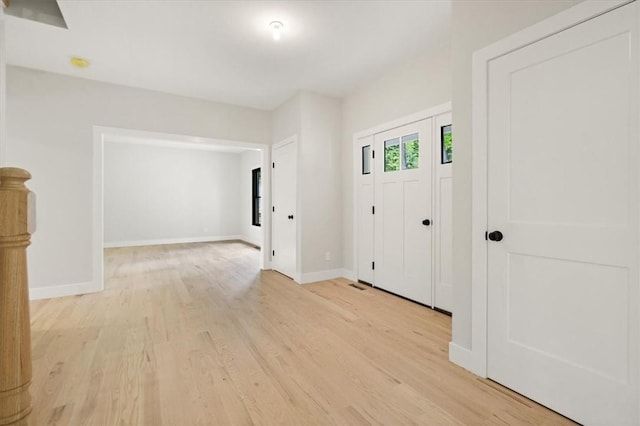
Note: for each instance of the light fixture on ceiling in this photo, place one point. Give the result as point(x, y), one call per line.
point(276, 29)
point(79, 62)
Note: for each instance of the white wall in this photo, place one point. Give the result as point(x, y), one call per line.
point(477, 24)
point(420, 84)
point(316, 120)
point(320, 179)
point(156, 195)
point(3, 74)
point(286, 119)
point(50, 134)
point(249, 160)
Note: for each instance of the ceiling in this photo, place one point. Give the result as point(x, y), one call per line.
point(223, 51)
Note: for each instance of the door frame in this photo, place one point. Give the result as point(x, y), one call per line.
point(297, 277)
point(389, 125)
point(475, 358)
point(370, 140)
point(437, 212)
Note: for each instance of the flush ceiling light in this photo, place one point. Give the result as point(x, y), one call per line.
point(276, 29)
point(79, 62)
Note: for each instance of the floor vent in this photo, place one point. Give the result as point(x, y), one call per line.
point(356, 286)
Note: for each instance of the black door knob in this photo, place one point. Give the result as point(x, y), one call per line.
point(426, 222)
point(290, 216)
point(495, 236)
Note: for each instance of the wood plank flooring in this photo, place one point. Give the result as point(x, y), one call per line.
point(196, 334)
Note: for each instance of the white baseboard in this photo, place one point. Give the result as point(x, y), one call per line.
point(251, 241)
point(37, 293)
point(172, 241)
point(461, 356)
point(311, 277)
point(349, 274)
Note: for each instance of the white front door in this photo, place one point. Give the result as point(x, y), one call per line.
point(563, 320)
point(365, 210)
point(403, 213)
point(285, 177)
point(443, 214)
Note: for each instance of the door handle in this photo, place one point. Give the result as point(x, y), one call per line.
point(290, 217)
point(426, 222)
point(495, 236)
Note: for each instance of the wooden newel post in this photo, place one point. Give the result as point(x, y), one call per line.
point(15, 335)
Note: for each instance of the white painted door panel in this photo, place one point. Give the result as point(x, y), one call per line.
point(284, 219)
point(403, 200)
point(563, 189)
point(443, 215)
point(365, 213)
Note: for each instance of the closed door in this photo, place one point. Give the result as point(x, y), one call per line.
point(284, 219)
point(365, 206)
point(403, 213)
point(443, 223)
point(563, 220)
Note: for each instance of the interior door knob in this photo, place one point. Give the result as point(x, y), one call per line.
point(495, 236)
point(290, 216)
point(426, 222)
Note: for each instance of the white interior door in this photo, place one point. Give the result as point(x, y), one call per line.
point(563, 192)
point(285, 177)
point(443, 213)
point(403, 211)
point(365, 211)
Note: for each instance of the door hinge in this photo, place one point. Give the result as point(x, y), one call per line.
point(486, 235)
point(373, 153)
point(373, 209)
point(373, 265)
point(273, 253)
point(273, 165)
point(273, 209)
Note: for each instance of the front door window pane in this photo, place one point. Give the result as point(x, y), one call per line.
point(446, 144)
point(411, 151)
point(392, 155)
point(366, 159)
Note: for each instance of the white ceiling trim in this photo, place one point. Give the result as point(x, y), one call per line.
point(140, 137)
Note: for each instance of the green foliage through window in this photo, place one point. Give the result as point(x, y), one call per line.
point(402, 153)
point(392, 155)
point(411, 147)
point(446, 144)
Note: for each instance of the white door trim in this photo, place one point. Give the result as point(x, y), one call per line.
point(476, 361)
point(402, 121)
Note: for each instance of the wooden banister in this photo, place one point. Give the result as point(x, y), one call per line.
point(15, 327)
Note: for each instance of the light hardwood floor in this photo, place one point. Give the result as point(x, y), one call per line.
point(195, 334)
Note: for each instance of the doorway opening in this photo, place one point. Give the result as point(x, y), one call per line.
point(156, 189)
